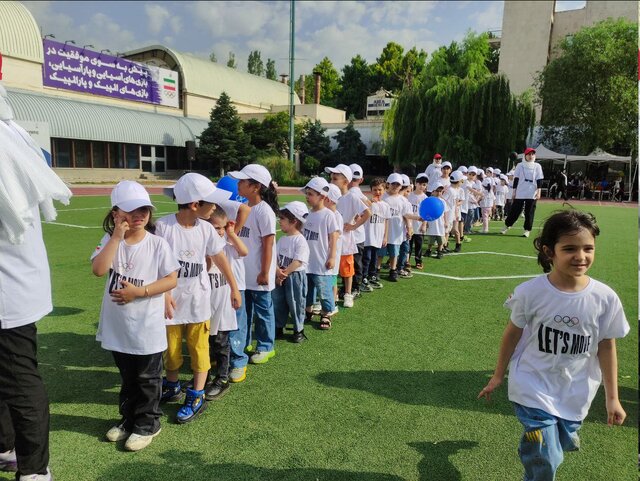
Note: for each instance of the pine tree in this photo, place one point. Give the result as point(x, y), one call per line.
point(314, 143)
point(213, 58)
point(254, 63)
point(271, 70)
point(232, 60)
point(223, 143)
point(350, 148)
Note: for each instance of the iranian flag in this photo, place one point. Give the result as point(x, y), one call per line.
point(169, 84)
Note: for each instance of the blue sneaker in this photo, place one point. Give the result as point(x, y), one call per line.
point(193, 405)
point(170, 391)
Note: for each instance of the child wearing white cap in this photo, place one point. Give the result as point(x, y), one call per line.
point(331, 203)
point(399, 223)
point(473, 194)
point(188, 306)
point(358, 233)
point(259, 234)
point(376, 230)
point(453, 198)
point(354, 213)
point(224, 320)
point(501, 196)
point(141, 267)
point(436, 228)
point(321, 233)
point(419, 226)
point(486, 203)
point(290, 294)
point(404, 267)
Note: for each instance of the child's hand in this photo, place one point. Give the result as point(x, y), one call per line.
point(121, 227)
point(384, 242)
point(330, 264)
point(615, 413)
point(236, 299)
point(128, 293)
point(229, 228)
point(263, 279)
point(169, 306)
point(493, 384)
point(423, 228)
point(349, 227)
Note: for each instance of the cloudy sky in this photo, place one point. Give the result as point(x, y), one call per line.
point(338, 30)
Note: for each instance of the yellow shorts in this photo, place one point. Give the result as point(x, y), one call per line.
point(197, 336)
point(347, 268)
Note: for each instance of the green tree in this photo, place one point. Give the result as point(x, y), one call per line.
point(309, 85)
point(589, 94)
point(271, 70)
point(271, 136)
point(356, 84)
point(314, 143)
point(350, 148)
point(329, 84)
point(255, 65)
point(232, 60)
point(394, 69)
point(223, 143)
point(213, 58)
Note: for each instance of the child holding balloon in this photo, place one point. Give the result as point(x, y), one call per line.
point(434, 210)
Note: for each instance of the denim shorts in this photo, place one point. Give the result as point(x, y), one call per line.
point(392, 250)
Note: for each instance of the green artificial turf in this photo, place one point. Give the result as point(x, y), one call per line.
point(388, 394)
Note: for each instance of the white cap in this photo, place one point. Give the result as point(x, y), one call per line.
point(489, 169)
point(357, 171)
point(497, 171)
point(447, 164)
point(456, 176)
point(298, 209)
point(487, 181)
point(255, 172)
point(436, 184)
point(320, 185)
point(394, 178)
point(511, 173)
point(406, 181)
point(504, 177)
point(334, 193)
point(128, 196)
point(194, 187)
point(340, 169)
point(472, 170)
point(463, 169)
point(422, 175)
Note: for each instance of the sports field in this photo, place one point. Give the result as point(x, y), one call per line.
point(388, 394)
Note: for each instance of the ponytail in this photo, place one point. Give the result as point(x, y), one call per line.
point(270, 196)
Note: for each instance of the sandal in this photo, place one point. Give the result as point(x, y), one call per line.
point(308, 317)
point(325, 323)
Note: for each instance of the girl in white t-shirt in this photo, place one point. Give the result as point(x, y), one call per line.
point(290, 294)
point(141, 267)
point(486, 203)
point(561, 344)
point(259, 234)
point(223, 314)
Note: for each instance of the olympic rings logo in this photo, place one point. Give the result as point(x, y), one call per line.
point(126, 266)
point(187, 253)
point(568, 321)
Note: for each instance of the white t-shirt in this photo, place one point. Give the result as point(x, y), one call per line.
point(190, 246)
point(510, 191)
point(25, 280)
point(488, 198)
point(317, 228)
point(137, 327)
point(472, 202)
point(374, 227)
point(350, 205)
point(437, 227)
point(451, 197)
point(223, 315)
point(358, 234)
point(340, 223)
point(464, 197)
point(501, 194)
point(398, 207)
point(555, 365)
point(415, 200)
point(261, 222)
point(293, 248)
point(528, 174)
point(434, 172)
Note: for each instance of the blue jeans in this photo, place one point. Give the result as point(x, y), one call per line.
point(403, 255)
point(545, 438)
point(323, 287)
point(291, 298)
point(238, 338)
point(260, 311)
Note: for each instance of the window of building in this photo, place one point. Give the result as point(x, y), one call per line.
point(132, 152)
point(145, 150)
point(159, 150)
point(99, 153)
point(61, 153)
point(116, 156)
point(82, 153)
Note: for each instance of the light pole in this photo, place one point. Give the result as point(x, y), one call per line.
point(292, 109)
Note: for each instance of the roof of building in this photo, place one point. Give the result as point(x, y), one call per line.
point(210, 79)
point(73, 119)
point(19, 33)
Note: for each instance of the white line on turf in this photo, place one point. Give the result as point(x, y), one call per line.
point(454, 278)
point(489, 252)
point(73, 225)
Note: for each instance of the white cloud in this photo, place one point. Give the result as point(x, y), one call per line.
point(490, 18)
point(157, 16)
point(49, 21)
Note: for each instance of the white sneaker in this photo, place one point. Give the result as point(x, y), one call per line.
point(504, 231)
point(37, 477)
point(334, 312)
point(136, 442)
point(316, 308)
point(348, 300)
point(526, 233)
point(117, 433)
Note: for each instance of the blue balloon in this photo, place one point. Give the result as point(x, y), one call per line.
point(431, 208)
point(231, 185)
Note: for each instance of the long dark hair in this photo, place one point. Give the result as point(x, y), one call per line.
point(564, 222)
point(109, 223)
point(269, 195)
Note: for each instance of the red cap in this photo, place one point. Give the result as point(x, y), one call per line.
point(529, 150)
point(437, 156)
